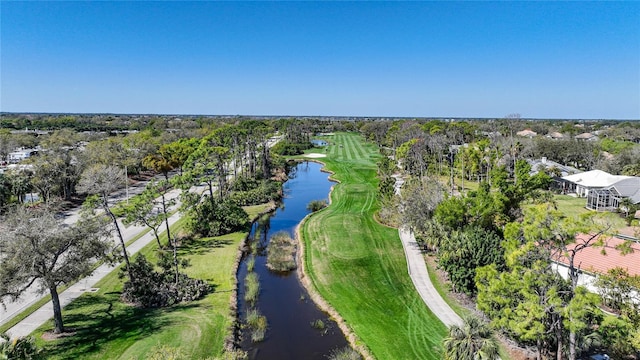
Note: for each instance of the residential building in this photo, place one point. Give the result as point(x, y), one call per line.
point(603, 190)
point(552, 168)
point(586, 137)
point(555, 135)
point(596, 260)
point(527, 133)
point(19, 155)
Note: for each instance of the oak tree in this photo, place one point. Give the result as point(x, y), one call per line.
point(38, 249)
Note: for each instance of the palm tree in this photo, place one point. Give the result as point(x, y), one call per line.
point(473, 340)
point(625, 205)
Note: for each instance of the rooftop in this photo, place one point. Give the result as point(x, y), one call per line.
point(544, 163)
point(599, 260)
point(595, 178)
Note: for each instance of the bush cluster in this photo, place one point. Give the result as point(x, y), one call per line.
point(20, 348)
point(214, 218)
point(258, 325)
point(346, 353)
point(150, 288)
point(281, 252)
point(286, 147)
point(316, 205)
point(263, 192)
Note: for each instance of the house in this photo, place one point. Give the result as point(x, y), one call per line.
point(552, 168)
point(19, 155)
point(586, 137)
point(555, 135)
point(491, 134)
point(595, 260)
point(527, 133)
point(17, 168)
point(603, 190)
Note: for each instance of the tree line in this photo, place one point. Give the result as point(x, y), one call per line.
point(500, 243)
point(233, 164)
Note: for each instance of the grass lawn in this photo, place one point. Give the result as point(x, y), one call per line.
point(575, 206)
point(108, 329)
point(570, 205)
point(359, 266)
point(469, 185)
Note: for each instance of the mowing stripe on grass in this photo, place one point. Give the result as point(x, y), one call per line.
point(359, 266)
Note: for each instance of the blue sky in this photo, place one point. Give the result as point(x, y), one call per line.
point(444, 59)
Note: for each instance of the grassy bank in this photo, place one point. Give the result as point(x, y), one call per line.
point(359, 266)
point(108, 329)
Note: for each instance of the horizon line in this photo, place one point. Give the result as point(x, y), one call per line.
point(312, 116)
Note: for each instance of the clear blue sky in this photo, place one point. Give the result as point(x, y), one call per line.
point(458, 59)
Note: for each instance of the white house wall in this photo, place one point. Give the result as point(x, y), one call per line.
point(588, 280)
point(584, 279)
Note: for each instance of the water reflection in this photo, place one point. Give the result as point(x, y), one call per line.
point(297, 329)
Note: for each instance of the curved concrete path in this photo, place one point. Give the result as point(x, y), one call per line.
point(420, 277)
point(419, 273)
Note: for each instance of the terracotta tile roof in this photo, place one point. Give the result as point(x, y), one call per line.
point(584, 136)
point(527, 132)
point(555, 135)
point(594, 259)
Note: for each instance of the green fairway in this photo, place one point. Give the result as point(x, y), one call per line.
point(359, 266)
point(108, 329)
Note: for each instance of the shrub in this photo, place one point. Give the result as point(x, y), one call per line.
point(346, 353)
point(281, 252)
point(150, 288)
point(20, 348)
point(235, 354)
point(266, 191)
point(252, 287)
point(258, 325)
point(285, 147)
point(318, 324)
point(244, 183)
point(315, 205)
point(214, 217)
point(251, 263)
point(462, 252)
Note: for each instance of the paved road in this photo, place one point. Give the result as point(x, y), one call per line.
point(40, 316)
point(31, 295)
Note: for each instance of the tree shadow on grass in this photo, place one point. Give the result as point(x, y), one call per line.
point(98, 320)
point(202, 246)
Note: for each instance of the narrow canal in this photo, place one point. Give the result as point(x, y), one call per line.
point(296, 328)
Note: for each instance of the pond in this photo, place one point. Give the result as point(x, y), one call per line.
point(319, 143)
point(294, 330)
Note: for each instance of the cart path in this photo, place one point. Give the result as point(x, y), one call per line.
point(420, 277)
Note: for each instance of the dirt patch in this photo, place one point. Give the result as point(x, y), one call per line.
point(50, 335)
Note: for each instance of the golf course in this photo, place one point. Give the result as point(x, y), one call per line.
point(359, 266)
point(356, 264)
